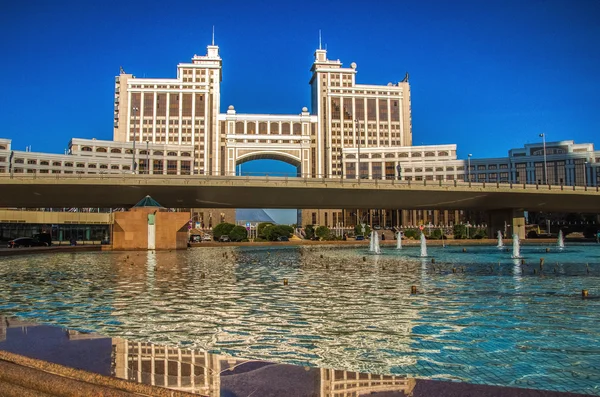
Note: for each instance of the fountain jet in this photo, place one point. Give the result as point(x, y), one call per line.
point(423, 246)
point(516, 247)
point(500, 242)
point(561, 240)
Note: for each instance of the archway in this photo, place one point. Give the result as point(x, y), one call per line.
point(267, 164)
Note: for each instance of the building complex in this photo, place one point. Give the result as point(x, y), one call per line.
point(173, 126)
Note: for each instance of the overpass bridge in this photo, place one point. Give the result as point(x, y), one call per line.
point(195, 191)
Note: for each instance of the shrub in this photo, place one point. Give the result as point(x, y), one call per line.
point(358, 230)
point(309, 232)
point(479, 233)
point(323, 233)
point(222, 229)
point(238, 233)
point(412, 234)
point(260, 229)
point(436, 234)
point(272, 232)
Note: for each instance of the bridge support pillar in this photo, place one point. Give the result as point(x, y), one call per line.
point(508, 221)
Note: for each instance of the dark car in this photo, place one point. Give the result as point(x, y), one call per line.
point(359, 237)
point(282, 238)
point(224, 238)
point(26, 242)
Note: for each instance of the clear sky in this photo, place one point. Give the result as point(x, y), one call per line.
point(487, 75)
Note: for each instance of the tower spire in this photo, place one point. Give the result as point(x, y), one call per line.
point(320, 40)
point(213, 35)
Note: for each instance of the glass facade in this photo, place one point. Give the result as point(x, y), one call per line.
point(60, 232)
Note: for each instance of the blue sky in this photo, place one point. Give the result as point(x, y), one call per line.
point(486, 75)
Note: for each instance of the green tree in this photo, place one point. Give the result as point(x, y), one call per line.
point(222, 229)
point(309, 231)
point(412, 234)
point(358, 230)
point(260, 229)
point(436, 234)
point(272, 232)
point(323, 233)
point(238, 233)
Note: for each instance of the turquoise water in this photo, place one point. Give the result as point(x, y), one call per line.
point(478, 317)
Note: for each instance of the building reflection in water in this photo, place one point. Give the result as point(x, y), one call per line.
point(201, 373)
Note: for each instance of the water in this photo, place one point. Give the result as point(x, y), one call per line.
point(372, 241)
point(423, 246)
point(500, 242)
point(479, 316)
point(376, 247)
point(560, 241)
point(516, 246)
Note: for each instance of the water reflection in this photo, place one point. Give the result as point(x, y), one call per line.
point(476, 317)
point(195, 371)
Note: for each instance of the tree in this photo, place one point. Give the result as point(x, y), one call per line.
point(222, 229)
point(272, 232)
point(309, 232)
point(260, 229)
point(323, 233)
point(238, 233)
point(358, 230)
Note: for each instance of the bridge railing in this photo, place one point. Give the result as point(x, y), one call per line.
point(307, 179)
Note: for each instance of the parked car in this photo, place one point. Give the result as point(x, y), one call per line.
point(359, 237)
point(207, 237)
point(224, 238)
point(283, 238)
point(26, 242)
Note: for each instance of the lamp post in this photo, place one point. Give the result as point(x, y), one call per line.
point(469, 166)
point(545, 169)
point(134, 110)
point(585, 167)
point(359, 138)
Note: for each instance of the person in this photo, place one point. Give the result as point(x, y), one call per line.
point(382, 236)
point(345, 238)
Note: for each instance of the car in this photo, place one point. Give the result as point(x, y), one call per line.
point(377, 227)
point(359, 237)
point(26, 242)
point(207, 237)
point(224, 239)
point(283, 238)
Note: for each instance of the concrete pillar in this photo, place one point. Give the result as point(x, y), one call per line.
point(404, 218)
point(414, 220)
point(436, 217)
point(512, 217)
point(445, 217)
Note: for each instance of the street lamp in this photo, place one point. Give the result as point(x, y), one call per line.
point(545, 169)
point(469, 166)
point(585, 166)
point(134, 110)
point(359, 138)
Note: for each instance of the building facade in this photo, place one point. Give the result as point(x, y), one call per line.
point(173, 126)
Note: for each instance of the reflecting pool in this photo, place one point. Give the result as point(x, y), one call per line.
point(479, 316)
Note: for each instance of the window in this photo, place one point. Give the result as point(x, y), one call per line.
point(19, 161)
point(185, 154)
point(91, 165)
point(114, 167)
point(172, 167)
point(101, 150)
point(103, 166)
point(143, 152)
point(69, 164)
point(32, 161)
point(44, 162)
point(56, 164)
point(80, 165)
point(115, 150)
point(172, 154)
point(86, 149)
point(158, 153)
